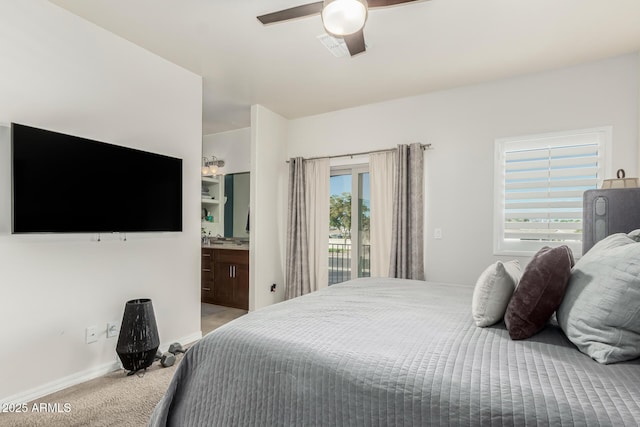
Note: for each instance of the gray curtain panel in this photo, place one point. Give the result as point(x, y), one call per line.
point(407, 240)
point(297, 280)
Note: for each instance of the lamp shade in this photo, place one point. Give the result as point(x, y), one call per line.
point(138, 340)
point(620, 182)
point(344, 17)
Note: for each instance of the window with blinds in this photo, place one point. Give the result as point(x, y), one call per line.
point(540, 180)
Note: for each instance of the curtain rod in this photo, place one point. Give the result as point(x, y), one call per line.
point(362, 153)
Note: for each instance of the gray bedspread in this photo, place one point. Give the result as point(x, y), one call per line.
point(389, 352)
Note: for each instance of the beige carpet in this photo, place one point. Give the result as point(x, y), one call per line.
point(114, 399)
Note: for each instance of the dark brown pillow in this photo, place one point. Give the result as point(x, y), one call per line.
point(539, 292)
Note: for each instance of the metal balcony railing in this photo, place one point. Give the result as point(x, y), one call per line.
point(340, 262)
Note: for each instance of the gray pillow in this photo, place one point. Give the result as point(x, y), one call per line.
point(493, 291)
point(600, 312)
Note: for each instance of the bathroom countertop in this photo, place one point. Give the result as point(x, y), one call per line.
point(227, 245)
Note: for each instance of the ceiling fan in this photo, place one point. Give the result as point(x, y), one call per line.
point(341, 18)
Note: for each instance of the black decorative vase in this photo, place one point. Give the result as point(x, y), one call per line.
point(138, 340)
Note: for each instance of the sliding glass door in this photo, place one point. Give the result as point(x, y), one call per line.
point(349, 250)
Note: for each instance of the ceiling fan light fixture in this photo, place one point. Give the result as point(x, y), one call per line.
point(344, 17)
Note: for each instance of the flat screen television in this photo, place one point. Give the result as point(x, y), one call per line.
point(67, 184)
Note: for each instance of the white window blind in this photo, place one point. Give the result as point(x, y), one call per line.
point(540, 181)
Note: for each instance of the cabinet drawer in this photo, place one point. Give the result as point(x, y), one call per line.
point(206, 254)
point(233, 256)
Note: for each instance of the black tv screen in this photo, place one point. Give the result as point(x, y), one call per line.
point(67, 184)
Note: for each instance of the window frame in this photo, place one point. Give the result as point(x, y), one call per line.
point(528, 248)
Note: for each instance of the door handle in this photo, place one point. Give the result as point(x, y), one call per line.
point(230, 271)
point(206, 289)
point(234, 271)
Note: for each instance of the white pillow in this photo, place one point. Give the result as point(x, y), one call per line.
point(493, 291)
point(600, 312)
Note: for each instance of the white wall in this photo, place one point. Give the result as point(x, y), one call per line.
point(234, 147)
point(268, 206)
point(462, 125)
point(62, 73)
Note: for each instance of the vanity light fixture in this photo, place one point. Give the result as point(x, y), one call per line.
point(210, 166)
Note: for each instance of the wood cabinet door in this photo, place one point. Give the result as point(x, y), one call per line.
point(223, 283)
point(229, 279)
point(241, 286)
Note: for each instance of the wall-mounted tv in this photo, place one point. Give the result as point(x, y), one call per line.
point(66, 184)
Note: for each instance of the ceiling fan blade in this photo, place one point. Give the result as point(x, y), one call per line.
point(383, 3)
point(355, 43)
point(292, 13)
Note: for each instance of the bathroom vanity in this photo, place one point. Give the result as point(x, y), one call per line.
point(225, 274)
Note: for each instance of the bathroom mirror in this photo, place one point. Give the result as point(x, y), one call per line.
point(236, 207)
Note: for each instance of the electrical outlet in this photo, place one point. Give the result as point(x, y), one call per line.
point(91, 334)
point(113, 329)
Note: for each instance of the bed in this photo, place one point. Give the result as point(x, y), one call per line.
point(382, 352)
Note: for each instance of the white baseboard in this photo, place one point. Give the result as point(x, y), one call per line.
point(86, 375)
point(62, 383)
point(191, 338)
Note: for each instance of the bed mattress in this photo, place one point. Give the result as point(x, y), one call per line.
point(382, 352)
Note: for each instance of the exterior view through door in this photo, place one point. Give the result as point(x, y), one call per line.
point(349, 248)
